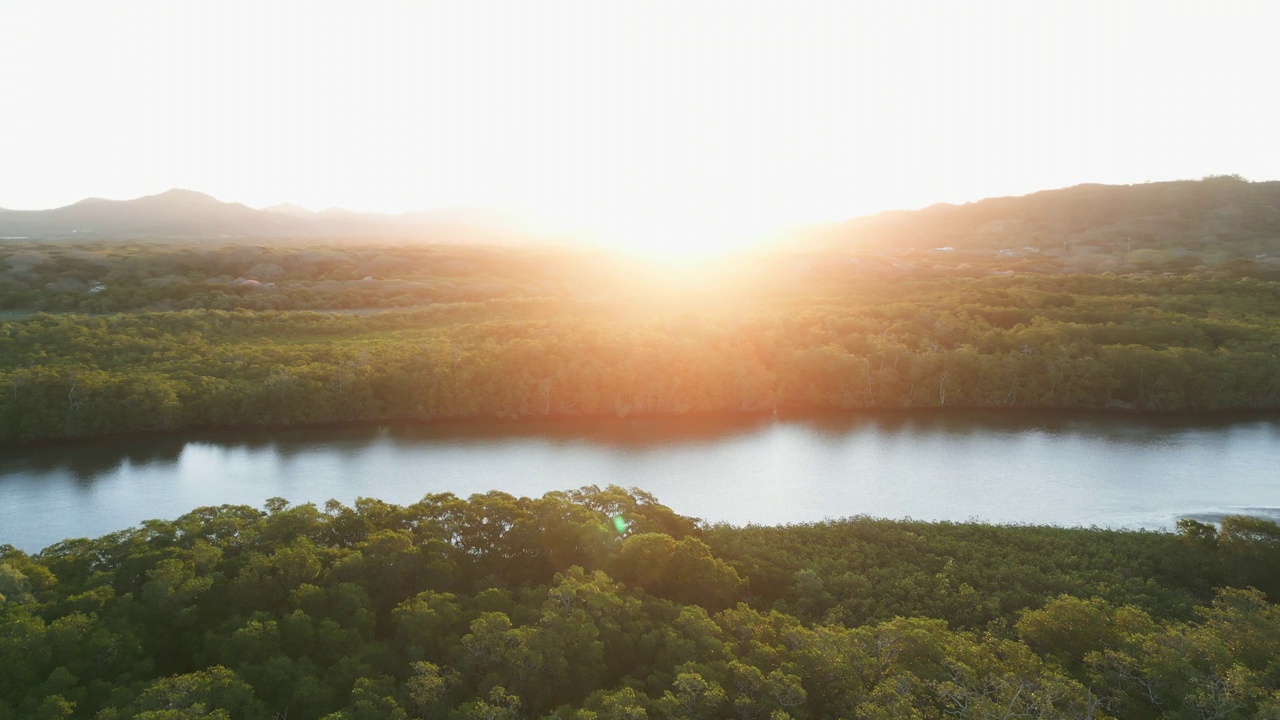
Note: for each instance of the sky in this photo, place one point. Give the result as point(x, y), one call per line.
point(650, 124)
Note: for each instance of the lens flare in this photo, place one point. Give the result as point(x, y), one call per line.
point(620, 524)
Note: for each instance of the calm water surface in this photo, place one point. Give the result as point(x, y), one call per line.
point(1114, 471)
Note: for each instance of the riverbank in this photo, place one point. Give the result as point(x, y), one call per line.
point(681, 426)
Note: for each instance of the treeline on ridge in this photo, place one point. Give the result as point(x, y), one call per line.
point(605, 605)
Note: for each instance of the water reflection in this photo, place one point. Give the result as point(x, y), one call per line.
point(615, 432)
point(86, 462)
point(1057, 468)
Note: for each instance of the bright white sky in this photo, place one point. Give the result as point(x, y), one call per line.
point(657, 123)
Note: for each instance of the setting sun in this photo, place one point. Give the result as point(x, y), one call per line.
point(663, 127)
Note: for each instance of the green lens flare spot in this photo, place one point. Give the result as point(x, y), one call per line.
point(620, 524)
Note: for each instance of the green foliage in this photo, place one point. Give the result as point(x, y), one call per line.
point(210, 694)
point(451, 608)
point(1023, 341)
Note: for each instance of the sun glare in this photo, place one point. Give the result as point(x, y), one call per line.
point(672, 246)
point(667, 235)
point(668, 129)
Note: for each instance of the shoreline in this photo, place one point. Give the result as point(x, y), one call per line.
point(714, 419)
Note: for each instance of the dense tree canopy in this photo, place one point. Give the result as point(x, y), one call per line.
point(509, 607)
point(1031, 341)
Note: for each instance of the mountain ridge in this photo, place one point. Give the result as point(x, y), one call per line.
point(183, 213)
point(1208, 220)
point(1212, 215)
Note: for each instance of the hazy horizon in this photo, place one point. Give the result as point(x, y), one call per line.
point(650, 125)
point(540, 225)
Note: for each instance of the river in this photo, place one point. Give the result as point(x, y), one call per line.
point(1062, 469)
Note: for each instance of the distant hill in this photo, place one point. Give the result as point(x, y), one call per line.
point(189, 214)
point(1165, 226)
point(1204, 221)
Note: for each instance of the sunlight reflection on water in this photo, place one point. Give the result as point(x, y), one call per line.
point(1116, 471)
